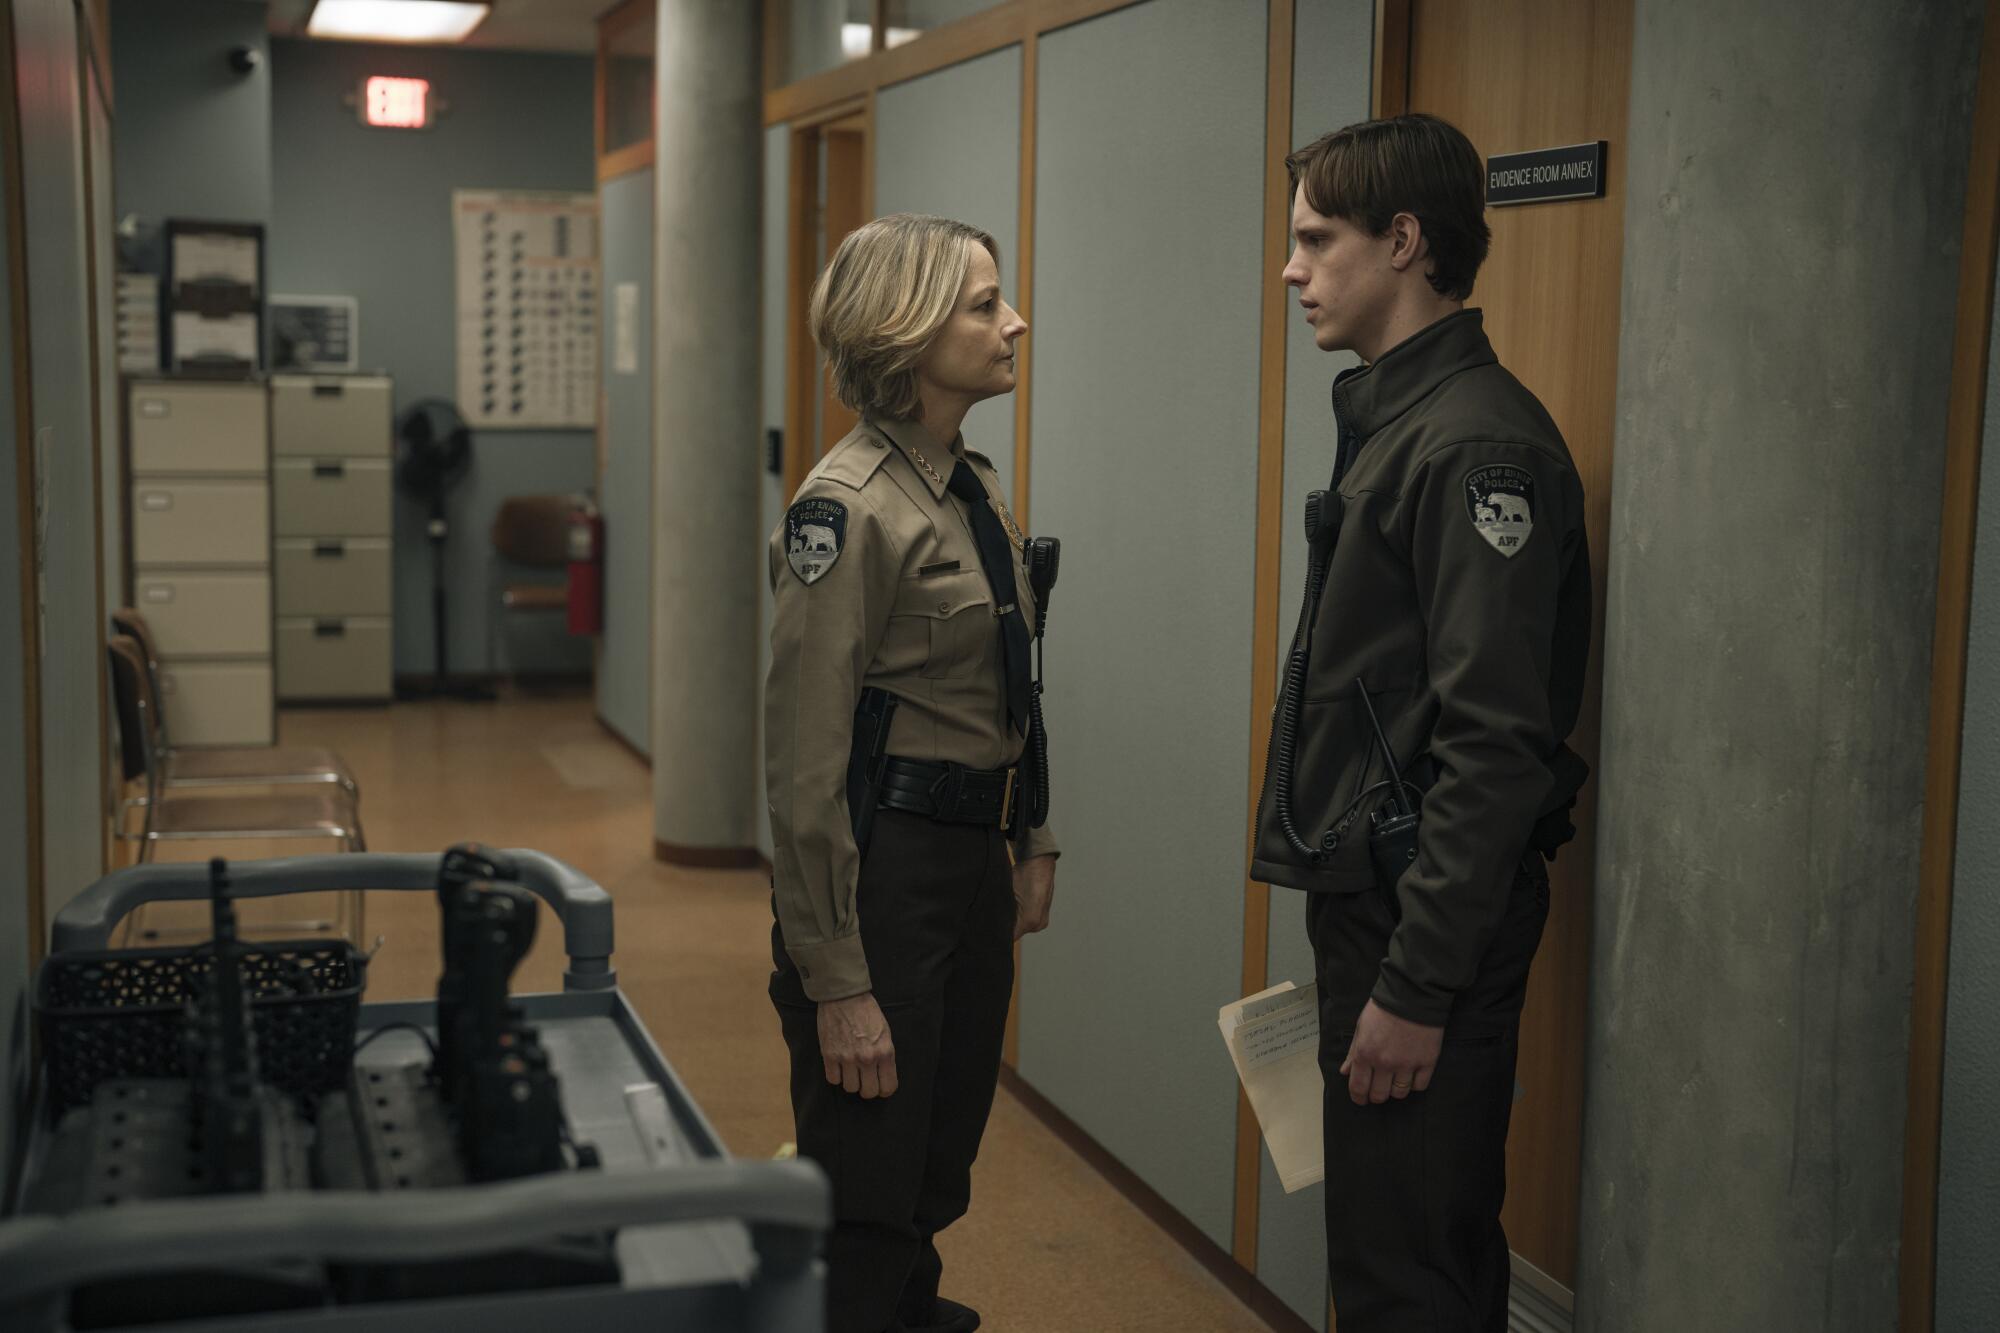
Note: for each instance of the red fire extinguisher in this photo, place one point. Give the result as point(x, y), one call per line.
point(586, 569)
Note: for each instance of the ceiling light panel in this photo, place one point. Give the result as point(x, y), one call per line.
point(397, 20)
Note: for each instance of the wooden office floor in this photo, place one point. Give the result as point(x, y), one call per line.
point(1049, 1247)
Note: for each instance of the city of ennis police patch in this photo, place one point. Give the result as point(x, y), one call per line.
point(1501, 500)
point(814, 531)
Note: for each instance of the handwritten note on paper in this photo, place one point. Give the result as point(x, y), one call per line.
point(1292, 1030)
point(1273, 1040)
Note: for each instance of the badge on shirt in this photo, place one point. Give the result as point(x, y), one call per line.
point(1501, 501)
point(1007, 522)
point(814, 532)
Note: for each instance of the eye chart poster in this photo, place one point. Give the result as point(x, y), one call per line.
point(528, 309)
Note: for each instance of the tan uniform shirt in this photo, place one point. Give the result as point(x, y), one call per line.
point(876, 582)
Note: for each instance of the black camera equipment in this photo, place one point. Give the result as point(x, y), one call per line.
point(510, 1108)
point(463, 865)
point(227, 1108)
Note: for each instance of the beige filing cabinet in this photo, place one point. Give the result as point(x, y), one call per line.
point(200, 493)
point(331, 551)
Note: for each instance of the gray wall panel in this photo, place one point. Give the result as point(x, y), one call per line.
point(624, 668)
point(367, 213)
point(950, 143)
point(1968, 1267)
point(105, 260)
point(73, 745)
point(1331, 67)
point(194, 136)
point(771, 487)
point(14, 899)
point(1145, 433)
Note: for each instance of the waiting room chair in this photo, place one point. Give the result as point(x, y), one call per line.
point(231, 765)
point(324, 811)
point(530, 531)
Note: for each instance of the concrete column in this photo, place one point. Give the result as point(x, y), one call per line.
point(1795, 198)
point(707, 550)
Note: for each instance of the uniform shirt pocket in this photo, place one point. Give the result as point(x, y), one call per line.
point(953, 614)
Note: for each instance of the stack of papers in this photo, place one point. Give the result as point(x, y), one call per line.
point(138, 318)
point(1273, 1040)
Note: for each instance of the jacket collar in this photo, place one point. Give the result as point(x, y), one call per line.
point(915, 444)
point(1367, 398)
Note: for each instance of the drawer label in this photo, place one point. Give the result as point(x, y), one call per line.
point(154, 407)
point(156, 501)
point(159, 592)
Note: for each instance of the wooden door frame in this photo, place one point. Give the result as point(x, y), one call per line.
point(802, 447)
point(1965, 421)
point(35, 852)
point(638, 155)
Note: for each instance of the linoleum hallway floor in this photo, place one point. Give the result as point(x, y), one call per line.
point(1049, 1246)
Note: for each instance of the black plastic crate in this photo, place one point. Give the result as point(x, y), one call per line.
point(122, 1013)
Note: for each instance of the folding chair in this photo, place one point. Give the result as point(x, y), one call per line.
point(230, 765)
point(326, 811)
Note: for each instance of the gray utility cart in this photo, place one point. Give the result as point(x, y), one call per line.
point(703, 1243)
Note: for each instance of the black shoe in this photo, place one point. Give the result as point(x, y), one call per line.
point(946, 1317)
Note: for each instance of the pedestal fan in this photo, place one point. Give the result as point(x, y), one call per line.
point(434, 450)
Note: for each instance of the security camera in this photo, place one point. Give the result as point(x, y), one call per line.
point(245, 59)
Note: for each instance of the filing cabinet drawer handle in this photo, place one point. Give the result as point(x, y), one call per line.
point(326, 390)
point(329, 629)
point(329, 550)
point(334, 470)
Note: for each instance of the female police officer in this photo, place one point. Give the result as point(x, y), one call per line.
point(899, 590)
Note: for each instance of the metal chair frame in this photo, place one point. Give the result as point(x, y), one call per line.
point(132, 685)
point(129, 623)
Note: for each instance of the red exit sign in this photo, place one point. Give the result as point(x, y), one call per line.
point(396, 104)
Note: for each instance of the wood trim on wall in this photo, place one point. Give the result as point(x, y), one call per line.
point(800, 264)
point(94, 295)
point(1264, 592)
point(707, 858)
point(1390, 95)
point(639, 154)
point(94, 28)
point(1003, 25)
point(24, 470)
point(624, 161)
point(1964, 429)
point(1024, 356)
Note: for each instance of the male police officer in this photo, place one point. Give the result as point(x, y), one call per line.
point(1449, 596)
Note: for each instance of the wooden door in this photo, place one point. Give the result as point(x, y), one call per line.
point(830, 190)
point(1518, 75)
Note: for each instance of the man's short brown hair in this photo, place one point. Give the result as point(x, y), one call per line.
point(1367, 173)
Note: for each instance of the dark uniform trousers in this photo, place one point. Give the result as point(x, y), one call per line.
point(936, 903)
point(1414, 1187)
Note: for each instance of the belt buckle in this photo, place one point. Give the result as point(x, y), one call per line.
point(1007, 799)
point(946, 791)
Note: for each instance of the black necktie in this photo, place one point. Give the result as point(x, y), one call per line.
point(997, 558)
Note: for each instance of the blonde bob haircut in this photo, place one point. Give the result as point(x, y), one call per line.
point(880, 303)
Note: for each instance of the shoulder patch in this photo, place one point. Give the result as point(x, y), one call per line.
point(853, 462)
point(1500, 501)
point(815, 530)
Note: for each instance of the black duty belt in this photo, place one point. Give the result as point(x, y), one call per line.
point(947, 792)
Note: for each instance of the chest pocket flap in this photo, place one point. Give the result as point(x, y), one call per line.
point(954, 613)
